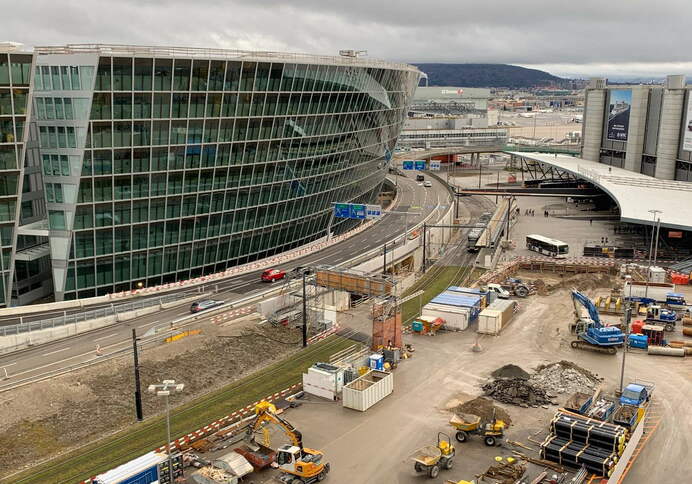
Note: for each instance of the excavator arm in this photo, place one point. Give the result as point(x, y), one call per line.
point(583, 301)
point(266, 413)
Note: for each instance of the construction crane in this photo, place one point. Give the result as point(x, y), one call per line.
point(297, 464)
point(591, 333)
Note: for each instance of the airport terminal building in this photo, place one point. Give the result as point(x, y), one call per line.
point(645, 129)
point(126, 166)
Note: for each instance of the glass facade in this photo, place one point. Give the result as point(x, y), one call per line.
point(15, 80)
point(160, 169)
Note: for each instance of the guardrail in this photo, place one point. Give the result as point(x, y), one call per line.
point(112, 310)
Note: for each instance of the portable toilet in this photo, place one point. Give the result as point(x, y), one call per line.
point(376, 361)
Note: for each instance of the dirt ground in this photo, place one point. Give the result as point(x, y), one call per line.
point(45, 418)
point(444, 373)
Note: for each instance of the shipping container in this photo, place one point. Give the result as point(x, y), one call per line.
point(364, 392)
point(473, 292)
point(641, 290)
point(148, 469)
point(455, 318)
point(323, 380)
point(496, 316)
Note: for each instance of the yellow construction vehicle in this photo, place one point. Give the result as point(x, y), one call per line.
point(431, 458)
point(297, 464)
point(466, 424)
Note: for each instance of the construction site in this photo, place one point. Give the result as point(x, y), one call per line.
point(455, 367)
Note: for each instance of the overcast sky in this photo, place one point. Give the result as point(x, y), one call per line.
point(579, 37)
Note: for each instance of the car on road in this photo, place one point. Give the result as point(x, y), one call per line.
point(427, 184)
point(271, 275)
point(420, 178)
point(198, 306)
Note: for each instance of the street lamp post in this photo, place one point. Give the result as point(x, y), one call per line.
point(651, 250)
point(165, 389)
point(628, 318)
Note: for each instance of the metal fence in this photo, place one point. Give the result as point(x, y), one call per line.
point(79, 317)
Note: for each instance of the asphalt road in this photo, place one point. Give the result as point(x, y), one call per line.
point(82, 348)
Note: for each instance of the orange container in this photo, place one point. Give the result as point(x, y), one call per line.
point(637, 327)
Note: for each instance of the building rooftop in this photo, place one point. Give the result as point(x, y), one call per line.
point(634, 193)
point(225, 54)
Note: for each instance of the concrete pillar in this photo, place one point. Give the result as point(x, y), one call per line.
point(592, 131)
point(669, 133)
point(635, 135)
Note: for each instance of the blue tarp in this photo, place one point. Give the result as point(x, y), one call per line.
point(451, 298)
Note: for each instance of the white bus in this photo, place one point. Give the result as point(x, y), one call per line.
point(546, 245)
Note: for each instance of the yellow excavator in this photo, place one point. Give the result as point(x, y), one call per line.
point(297, 464)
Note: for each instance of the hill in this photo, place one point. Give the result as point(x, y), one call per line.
point(487, 75)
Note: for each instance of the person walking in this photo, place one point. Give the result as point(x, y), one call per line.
point(590, 221)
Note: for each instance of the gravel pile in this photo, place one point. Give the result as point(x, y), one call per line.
point(510, 371)
point(563, 377)
point(484, 408)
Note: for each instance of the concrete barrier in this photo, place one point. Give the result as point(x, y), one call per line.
point(32, 338)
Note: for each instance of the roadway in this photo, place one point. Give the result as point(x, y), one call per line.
point(66, 352)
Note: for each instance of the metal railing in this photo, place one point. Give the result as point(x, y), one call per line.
point(232, 54)
point(112, 310)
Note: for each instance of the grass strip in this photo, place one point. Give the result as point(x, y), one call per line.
point(134, 441)
point(433, 283)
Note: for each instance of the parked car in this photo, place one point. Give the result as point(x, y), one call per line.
point(427, 184)
point(198, 306)
point(271, 275)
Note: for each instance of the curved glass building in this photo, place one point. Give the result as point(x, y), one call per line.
point(163, 164)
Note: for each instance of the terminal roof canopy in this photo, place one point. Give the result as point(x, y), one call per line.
point(634, 193)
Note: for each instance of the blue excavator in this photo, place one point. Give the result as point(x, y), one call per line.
point(591, 333)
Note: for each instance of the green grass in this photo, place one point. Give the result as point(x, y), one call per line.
point(433, 283)
point(112, 451)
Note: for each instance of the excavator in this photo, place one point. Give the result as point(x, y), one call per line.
point(297, 464)
point(592, 334)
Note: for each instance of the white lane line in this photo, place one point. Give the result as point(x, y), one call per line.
point(9, 364)
point(56, 351)
point(106, 337)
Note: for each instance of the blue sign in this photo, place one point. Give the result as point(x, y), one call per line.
point(350, 210)
point(374, 211)
point(342, 210)
point(420, 164)
point(408, 165)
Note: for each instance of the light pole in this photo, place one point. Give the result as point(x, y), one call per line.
point(628, 317)
point(165, 389)
point(651, 251)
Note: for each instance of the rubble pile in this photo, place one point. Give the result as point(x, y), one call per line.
point(563, 377)
point(516, 391)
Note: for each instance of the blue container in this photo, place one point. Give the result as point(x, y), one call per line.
point(417, 326)
point(638, 341)
point(376, 362)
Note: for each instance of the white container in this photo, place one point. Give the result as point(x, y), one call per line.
point(365, 391)
point(455, 318)
point(323, 380)
point(657, 275)
point(639, 289)
point(234, 464)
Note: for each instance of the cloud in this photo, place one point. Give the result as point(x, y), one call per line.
point(589, 33)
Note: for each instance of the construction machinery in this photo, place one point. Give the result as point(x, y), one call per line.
point(297, 464)
point(430, 459)
point(467, 424)
point(665, 317)
point(591, 333)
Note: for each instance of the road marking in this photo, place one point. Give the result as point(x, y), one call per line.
point(106, 337)
point(9, 364)
point(56, 351)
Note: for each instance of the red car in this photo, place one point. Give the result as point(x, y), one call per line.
point(271, 275)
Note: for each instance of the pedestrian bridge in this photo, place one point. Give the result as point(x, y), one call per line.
point(636, 194)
